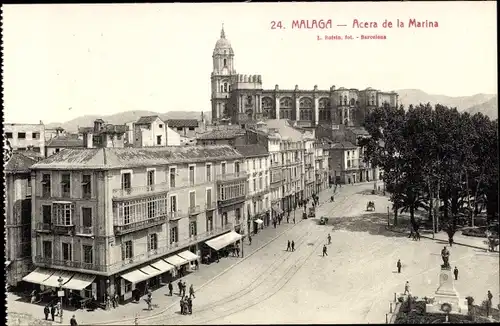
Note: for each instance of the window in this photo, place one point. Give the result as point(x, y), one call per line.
point(67, 252)
point(209, 197)
point(65, 185)
point(253, 164)
point(225, 62)
point(237, 213)
point(191, 175)
point(179, 128)
point(210, 223)
point(191, 128)
point(192, 199)
point(87, 217)
point(8, 135)
point(254, 184)
point(63, 213)
point(127, 250)
point(260, 163)
point(158, 140)
point(160, 126)
point(172, 177)
point(151, 209)
point(224, 219)
point(193, 228)
point(225, 87)
point(126, 182)
point(173, 203)
point(21, 135)
point(209, 172)
point(86, 186)
point(152, 241)
point(47, 249)
point(57, 150)
point(46, 214)
point(88, 256)
point(260, 183)
point(237, 167)
point(46, 191)
point(151, 179)
point(36, 135)
point(174, 234)
point(126, 215)
point(223, 168)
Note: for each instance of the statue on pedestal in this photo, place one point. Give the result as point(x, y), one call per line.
point(445, 255)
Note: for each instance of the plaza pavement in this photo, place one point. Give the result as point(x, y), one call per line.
point(125, 314)
point(353, 284)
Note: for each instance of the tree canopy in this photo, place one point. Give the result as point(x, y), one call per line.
point(430, 152)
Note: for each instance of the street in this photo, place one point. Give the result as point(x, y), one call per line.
point(353, 284)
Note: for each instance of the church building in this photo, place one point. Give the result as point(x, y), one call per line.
point(240, 99)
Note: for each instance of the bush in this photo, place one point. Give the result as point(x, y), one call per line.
point(475, 232)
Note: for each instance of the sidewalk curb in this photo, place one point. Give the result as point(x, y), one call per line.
point(200, 287)
point(427, 237)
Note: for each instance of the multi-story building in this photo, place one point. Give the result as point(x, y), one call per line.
point(18, 217)
point(321, 170)
point(222, 135)
point(258, 202)
point(241, 98)
point(110, 220)
point(150, 131)
point(26, 136)
point(286, 150)
point(185, 127)
point(62, 141)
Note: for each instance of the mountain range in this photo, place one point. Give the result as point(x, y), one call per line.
point(484, 103)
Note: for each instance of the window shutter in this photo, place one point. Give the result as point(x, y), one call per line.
point(124, 255)
point(149, 242)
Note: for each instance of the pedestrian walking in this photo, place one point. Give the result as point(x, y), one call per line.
point(455, 272)
point(418, 235)
point(288, 218)
point(399, 265)
point(53, 312)
point(249, 240)
point(73, 321)
point(294, 219)
point(136, 320)
point(324, 251)
point(237, 250)
point(184, 288)
point(190, 305)
point(450, 241)
point(46, 311)
point(288, 246)
point(293, 245)
point(179, 284)
point(115, 300)
point(196, 266)
point(329, 239)
point(191, 291)
point(58, 308)
point(170, 288)
point(407, 288)
point(489, 303)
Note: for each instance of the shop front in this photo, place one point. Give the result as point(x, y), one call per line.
point(258, 224)
point(221, 246)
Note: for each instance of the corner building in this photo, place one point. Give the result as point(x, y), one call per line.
point(240, 98)
point(111, 220)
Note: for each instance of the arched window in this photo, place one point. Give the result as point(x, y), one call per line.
point(228, 88)
point(372, 101)
point(340, 100)
point(353, 102)
point(225, 87)
point(225, 63)
point(222, 88)
point(345, 100)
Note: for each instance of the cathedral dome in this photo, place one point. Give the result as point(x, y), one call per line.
point(223, 46)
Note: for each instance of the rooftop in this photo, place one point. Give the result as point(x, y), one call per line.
point(109, 128)
point(121, 158)
point(359, 131)
point(284, 129)
point(252, 150)
point(65, 141)
point(19, 163)
point(343, 145)
point(222, 134)
point(176, 123)
point(146, 120)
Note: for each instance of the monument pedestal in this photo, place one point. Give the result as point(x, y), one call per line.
point(446, 293)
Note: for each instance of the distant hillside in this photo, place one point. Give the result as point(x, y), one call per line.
point(124, 117)
point(462, 103)
point(489, 108)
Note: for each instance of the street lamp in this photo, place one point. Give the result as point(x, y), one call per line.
point(61, 294)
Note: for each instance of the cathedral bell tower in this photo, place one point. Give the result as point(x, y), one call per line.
point(222, 77)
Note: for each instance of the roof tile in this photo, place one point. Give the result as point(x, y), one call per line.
point(18, 163)
point(176, 123)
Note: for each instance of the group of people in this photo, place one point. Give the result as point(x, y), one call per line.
point(186, 302)
point(290, 246)
point(52, 309)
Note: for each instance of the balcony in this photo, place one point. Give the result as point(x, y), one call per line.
point(259, 193)
point(173, 216)
point(210, 206)
point(43, 227)
point(140, 191)
point(231, 201)
point(121, 229)
point(60, 229)
point(275, 164)
point(194, 210)
point(84, 230)
point(231, 176)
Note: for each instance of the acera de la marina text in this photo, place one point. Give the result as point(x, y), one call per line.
point(412, 23)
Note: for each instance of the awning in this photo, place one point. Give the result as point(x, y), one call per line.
point(188, 255)
point(176, 260)
point(258, 221)
point(135, 276)
point(79, 282)
point(163, 266)
point(38, 275)
point(277, 210)
point(224, 240)
point(53, 281)
point(151, 271)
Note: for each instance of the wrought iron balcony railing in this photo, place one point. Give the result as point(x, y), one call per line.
point(211, 205)
point(232, 176)
point(142, 190)
point(121, 229)
point(194, 210)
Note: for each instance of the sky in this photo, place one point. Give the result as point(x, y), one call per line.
point(65, 61)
